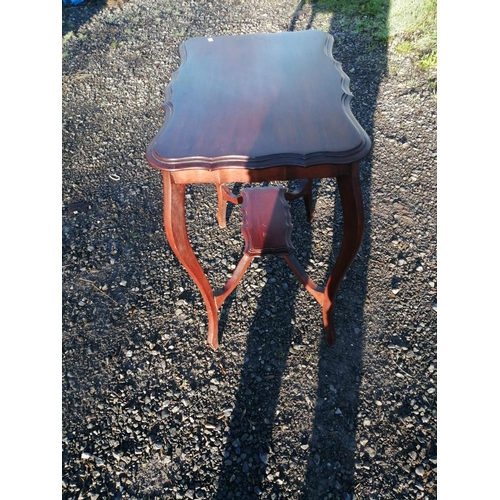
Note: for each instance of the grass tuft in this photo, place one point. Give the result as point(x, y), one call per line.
point(412, 24)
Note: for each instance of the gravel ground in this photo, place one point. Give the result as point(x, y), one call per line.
point(149, 410)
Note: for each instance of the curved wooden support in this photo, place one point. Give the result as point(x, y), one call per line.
point(220, 295)
point(175, 227)
point(304, 189)
point(352, 209)
point(221, 212)
point(224, 195)
point(315, 290)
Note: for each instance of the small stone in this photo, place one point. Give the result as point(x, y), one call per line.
point(189, 494)
point(85, 455)
point(420, 269)
point(395, 291)
point(304, 446)
point(413, 455)
point(371, 452)
point(123, 283)
point(366, 422)
point(419, 471)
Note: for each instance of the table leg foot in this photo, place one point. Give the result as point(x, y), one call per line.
point(352, 209)
point(330, 335)
point(213, 336)
point(174, 217)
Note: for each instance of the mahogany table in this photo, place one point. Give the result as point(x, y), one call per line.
point(255, 108)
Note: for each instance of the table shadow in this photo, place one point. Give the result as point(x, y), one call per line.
point(250, 452)
point(75, 16)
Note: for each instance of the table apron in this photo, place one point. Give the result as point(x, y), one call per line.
point(281, 173)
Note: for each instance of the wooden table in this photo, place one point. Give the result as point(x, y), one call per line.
point(255, 108)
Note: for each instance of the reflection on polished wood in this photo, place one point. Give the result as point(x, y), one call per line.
point(260, 108)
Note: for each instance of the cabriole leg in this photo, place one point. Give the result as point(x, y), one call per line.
point(174, 217)
point(352, 208)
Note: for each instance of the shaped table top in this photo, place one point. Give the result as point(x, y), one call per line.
point(258, 101)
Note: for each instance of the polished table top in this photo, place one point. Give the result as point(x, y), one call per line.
point(258, 101)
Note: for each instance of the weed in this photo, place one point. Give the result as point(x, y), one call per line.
point(114, 45)
point(67, 37)
point(404, 47)
point(429, 60)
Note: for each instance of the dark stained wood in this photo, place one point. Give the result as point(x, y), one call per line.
point(261, 100)
point(225, 195)
point(304, 190)
point(354, 223)
point(315, 290)
point(266, 222)
point(174, 218)
point(254, 108)
point(220, 295)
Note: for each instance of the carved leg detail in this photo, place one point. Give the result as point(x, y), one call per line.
point(174, 217)
point(352, 208)
point(224, 195)
point(315, 290)
point(304, 189)
point(221, 212)
point(220, 295)
point(308, 201)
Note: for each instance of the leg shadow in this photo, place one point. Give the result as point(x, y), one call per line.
point(332, 460)
point(249, 449)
